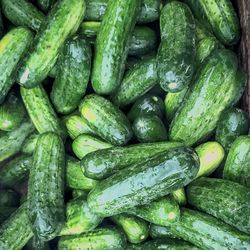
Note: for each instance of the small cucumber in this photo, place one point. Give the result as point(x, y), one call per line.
point(29, 144)
point(160, 232)
point(9, 198)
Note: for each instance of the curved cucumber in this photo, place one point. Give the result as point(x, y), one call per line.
point(29, 144)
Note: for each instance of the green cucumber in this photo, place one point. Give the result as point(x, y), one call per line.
point(41, 111)
point(5, 213)
point(13, 47)
point(9, 198)
point(137, 81)
point(45, 5)
point(232, 123)
point(135, 229)
point(176, 54)
point(142, 183)
point(160, 232)
point(106, 120)
point(201, 30)
point(89, 29)
point(102, 163)
point(73, 72)
point(225, 200)
point(79, 193)
point(62, 20)
point(237, 167)
point(206, 99)
point(37, 244)
point(149, 128)
point(46, 187)
point(179, 196)
point(95, 9)
point(85, 144)
point(29, 144)
point(98, 239)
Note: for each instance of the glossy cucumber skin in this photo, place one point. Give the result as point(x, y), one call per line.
point(13, 47)
point(9, 198)
point(137, 81)
point(62, 20)
point(176, 54)
point(41, 111)
point(102, 163)
point(225, 200)
point(98, 239)
point(206, 99)
point(142, 183)
point(232, 123)
point(46, 187)
point(160, 232)
point(111, 47)
point(237, 167)
point(29, 144)
point(73, 72)
point(45, 5)
point(107, 120)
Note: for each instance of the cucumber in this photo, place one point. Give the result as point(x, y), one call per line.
point(79, 193)
point(12, 112)
point(62, 20)
point(106, 120)
point(13, 47)
point(137, 81)
point(201, 30)
point(46, 187)
point(15, 232)
point(79, 218)
point(179, 196)
point(37, 244)
point(176, 54)
point(142, 183)
point(232, 123)
point(22, 13)
point(45, 5)
point(206, 99)
point(149, 128)
point(5, 213)
point(160, 232)
point(73, 72)
point(237, 167)
point(223, 199)
point(9, 198)
point(89, 29)
point(117, 25)
point(29, 144)
point(85, 144)
point(75, 178)
point(95, 9)
point(147, 105)
point(98, 239)
point(102, 163)
point(41, 111)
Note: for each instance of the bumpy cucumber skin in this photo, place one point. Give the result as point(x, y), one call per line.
point(176, 54)
point(160, 232)
point(137, 81)
point(41, 111)
point(46, 187)
point(223, 199)
point(13, 47)
point(29, 144)
point(106, 120)
point(111, 47)
point(62, 20)
point(232, 123)
point(73, 72)
point(98, 239)
point(237, 167)
point(102, 163)
point(206, 99)
point(142, 183)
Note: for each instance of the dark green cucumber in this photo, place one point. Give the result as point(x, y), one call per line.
point(136, 229)
point(11, 142)
point(232, 123)
point(12, 112)
point(111, 47)
point(62, 20)
point(95, 10)
point(73, 71)
point(13, 46)
point(9, 198)
point(79, 218)
point(75, 178)
point(98, 239)
point(206, 99)
point(46, 187)
point(160, 232)
point(102, 163)
point(45, 5)
point(149, 128)
point(85, 144)
point(1, 26)
point(29, 144)
point(176, 54)
point(15, 232)
point(137, 81)
point(106, 120)
point(5, 213)
point(142, 183)
point(148, 104)
point(237, 167)
point(41, 111)
point(225, 200)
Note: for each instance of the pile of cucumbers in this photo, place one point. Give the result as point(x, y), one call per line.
point(121, 127)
